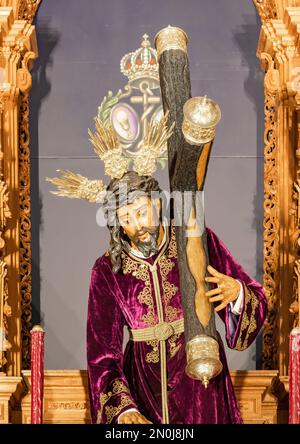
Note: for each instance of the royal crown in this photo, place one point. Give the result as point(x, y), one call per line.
point(141, 63)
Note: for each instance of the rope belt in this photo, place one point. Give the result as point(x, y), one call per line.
point(160, 332)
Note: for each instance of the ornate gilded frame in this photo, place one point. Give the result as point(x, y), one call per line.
point(18, 48)
point(278, 50)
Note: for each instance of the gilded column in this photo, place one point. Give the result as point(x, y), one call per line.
point(18, 48)
point(279, 55)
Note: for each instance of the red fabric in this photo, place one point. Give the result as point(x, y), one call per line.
point(294, 377)
point(37, 376)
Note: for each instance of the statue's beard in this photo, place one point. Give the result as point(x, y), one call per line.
point(149, 246)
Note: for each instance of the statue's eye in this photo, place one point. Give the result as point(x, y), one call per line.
point(142, 212)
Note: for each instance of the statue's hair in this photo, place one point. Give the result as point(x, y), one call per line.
point(123, 192)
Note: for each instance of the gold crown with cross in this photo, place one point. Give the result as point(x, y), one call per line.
point(141, 63)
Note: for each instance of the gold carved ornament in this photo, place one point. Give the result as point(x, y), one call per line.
point(25, 228)
point(271, 214)
point(267, 9)
point(27, 9)
point(295, 305)
point(278, 49)
point(5, 309)
point(68, 405)
point(18, 50)
point(24, 82)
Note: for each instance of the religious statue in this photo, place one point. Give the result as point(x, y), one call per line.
point(164, 274)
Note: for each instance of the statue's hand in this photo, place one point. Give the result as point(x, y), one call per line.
point(227, 289)
point(133, 418)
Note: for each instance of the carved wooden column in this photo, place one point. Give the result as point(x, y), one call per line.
point(278, 50)
point(17, 50)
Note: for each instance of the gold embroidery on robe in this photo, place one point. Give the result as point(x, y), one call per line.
point(141, 271)
point(174, 347)
point(153, 356)
point(172, 248)
point(170, 290)
point(247, 324)
point(111, 411)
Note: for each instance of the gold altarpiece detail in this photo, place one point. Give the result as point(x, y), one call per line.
point(66, 396)
point(18, 49)
point(279, 54)
point(278, 50)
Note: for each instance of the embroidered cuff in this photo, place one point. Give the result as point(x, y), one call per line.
point(113, 403)
point(248, 321)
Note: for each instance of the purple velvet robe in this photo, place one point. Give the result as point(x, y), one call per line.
point(119, 381)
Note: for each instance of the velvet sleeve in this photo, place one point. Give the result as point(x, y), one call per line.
point(108, 387)
point(241, 330)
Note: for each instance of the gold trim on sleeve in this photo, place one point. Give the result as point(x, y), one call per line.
point(247, 324)
point(111, 411)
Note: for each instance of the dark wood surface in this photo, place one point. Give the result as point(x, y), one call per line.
point(183, 159)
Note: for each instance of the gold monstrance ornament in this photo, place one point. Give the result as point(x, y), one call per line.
point(201, 116)
point(188, 155)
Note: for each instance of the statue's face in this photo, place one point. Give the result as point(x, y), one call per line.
point(140, 221)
